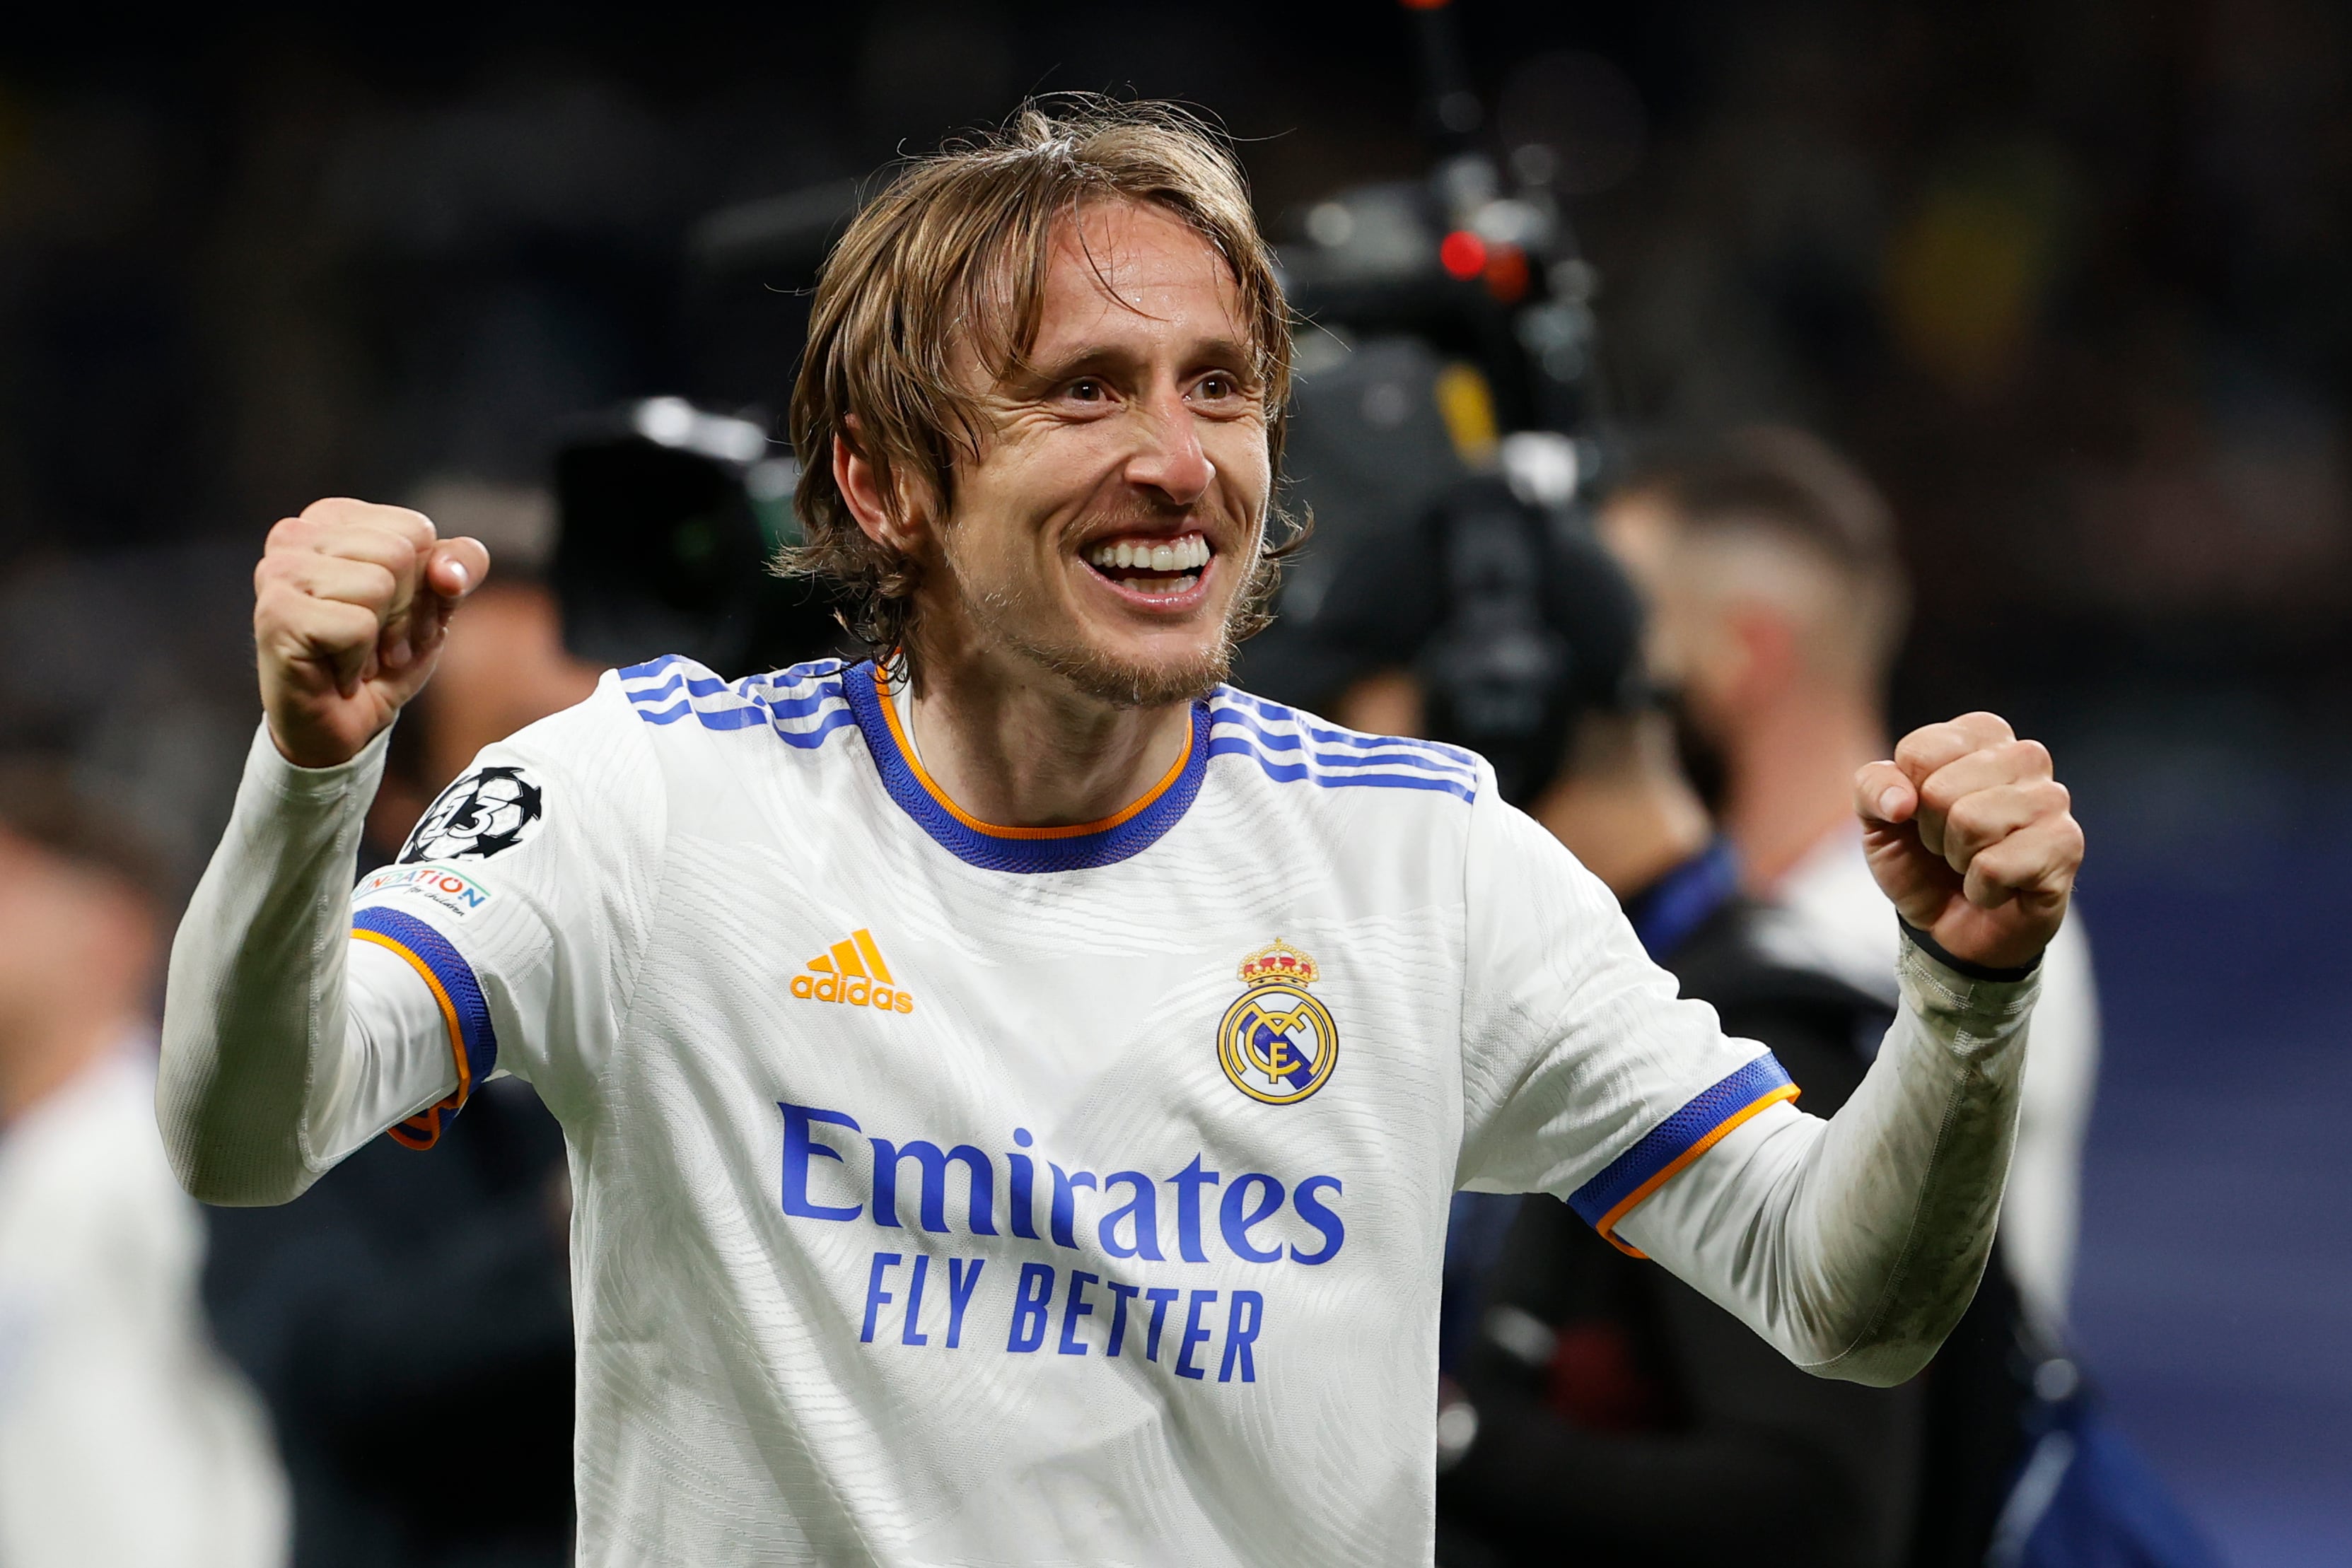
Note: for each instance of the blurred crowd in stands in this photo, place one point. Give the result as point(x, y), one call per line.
point(2047, 307)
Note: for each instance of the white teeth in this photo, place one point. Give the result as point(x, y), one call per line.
point(1190, 553)
point(1158, 586)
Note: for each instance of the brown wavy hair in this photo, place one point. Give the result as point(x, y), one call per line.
point(951, 259)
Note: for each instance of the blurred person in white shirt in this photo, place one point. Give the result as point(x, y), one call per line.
point(1778, 605)
point(125, 1440)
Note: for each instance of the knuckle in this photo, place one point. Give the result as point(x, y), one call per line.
point(1989, 725)
point(1969, 818)
point(2032, 756)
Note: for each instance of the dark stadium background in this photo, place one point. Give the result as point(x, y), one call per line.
point(2073, 278)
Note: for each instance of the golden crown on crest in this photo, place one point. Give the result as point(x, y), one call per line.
point(1280, 961)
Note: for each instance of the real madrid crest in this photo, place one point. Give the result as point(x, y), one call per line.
point(1277, 1043)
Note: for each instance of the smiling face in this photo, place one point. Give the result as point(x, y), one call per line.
point(1111, 521)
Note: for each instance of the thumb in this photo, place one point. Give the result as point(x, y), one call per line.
point(456, 567)
point(453, 569)
point(1884, 794)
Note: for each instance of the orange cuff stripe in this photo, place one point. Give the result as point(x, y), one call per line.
point(1632, 1201)
point(457, 1040)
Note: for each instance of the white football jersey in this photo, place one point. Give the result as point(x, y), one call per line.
point(948, 1193)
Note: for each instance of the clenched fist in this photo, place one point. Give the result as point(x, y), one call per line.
point(350, 603)
point(1970, 834)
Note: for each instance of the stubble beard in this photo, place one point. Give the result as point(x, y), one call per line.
point(1023, 620)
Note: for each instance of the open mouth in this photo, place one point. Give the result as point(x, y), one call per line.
point(1152, 568)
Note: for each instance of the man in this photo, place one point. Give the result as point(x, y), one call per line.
point(1779, 605)
point(1014, 1090)
point(125, 1441)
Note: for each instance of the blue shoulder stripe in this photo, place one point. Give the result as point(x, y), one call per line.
point(1365, 756)
point(1299, 772)
point(1291, 747)
point(1330, 736)
point(783, 703)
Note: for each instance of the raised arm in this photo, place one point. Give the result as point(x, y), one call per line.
point(1856, 1244)
point(282, 1052)
point(1853, 1244)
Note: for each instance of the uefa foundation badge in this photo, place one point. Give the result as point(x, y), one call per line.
point(1277, 1043)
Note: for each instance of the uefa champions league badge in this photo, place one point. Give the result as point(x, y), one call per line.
point(486, 812)
point(1277, 1043)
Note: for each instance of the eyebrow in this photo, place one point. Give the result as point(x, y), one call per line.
point(1220, 350)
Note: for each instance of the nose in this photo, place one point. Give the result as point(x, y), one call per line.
point(1168, 455)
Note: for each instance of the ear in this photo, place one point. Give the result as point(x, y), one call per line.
point(878, 514)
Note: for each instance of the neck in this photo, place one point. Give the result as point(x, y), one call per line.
point(1791, 779)
point(1622, 806)
point(1018, 747)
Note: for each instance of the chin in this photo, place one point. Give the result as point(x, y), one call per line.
point(1139, 672)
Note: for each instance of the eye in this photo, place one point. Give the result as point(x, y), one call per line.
point(1216, 386)
point(1086, 390)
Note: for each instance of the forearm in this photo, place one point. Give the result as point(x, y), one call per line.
point(1854, 1245)
point(279, 1059)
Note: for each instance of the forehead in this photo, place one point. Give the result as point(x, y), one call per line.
point(1128, 273)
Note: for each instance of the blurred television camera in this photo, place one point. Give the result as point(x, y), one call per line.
point(1446, 337)
point(668, 515)
point(1447, 427)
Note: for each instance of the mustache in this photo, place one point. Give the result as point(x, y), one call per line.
point(1221, 529)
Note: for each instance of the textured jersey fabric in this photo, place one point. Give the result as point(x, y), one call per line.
point(1836, 919)
point(953, 1193)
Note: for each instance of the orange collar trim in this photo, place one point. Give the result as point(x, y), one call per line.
point(930, 785)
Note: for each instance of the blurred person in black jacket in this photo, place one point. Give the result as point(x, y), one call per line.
point(410, 1324)
point(1592, 1397)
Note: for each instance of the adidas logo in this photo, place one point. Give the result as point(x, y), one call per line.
point(853, 972)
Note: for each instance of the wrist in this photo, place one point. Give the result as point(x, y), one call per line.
point(268, 765)
point(307, 749)
point(1967, 967)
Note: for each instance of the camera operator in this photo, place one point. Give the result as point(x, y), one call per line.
point(1778, 605)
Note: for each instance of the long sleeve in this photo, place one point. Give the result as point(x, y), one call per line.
point(286, 1045)
point(303, 1017)
point(1852, 1245)
point(1855, 1243)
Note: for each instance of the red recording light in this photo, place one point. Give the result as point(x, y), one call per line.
point(1506, 274)
point(1463, 254)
